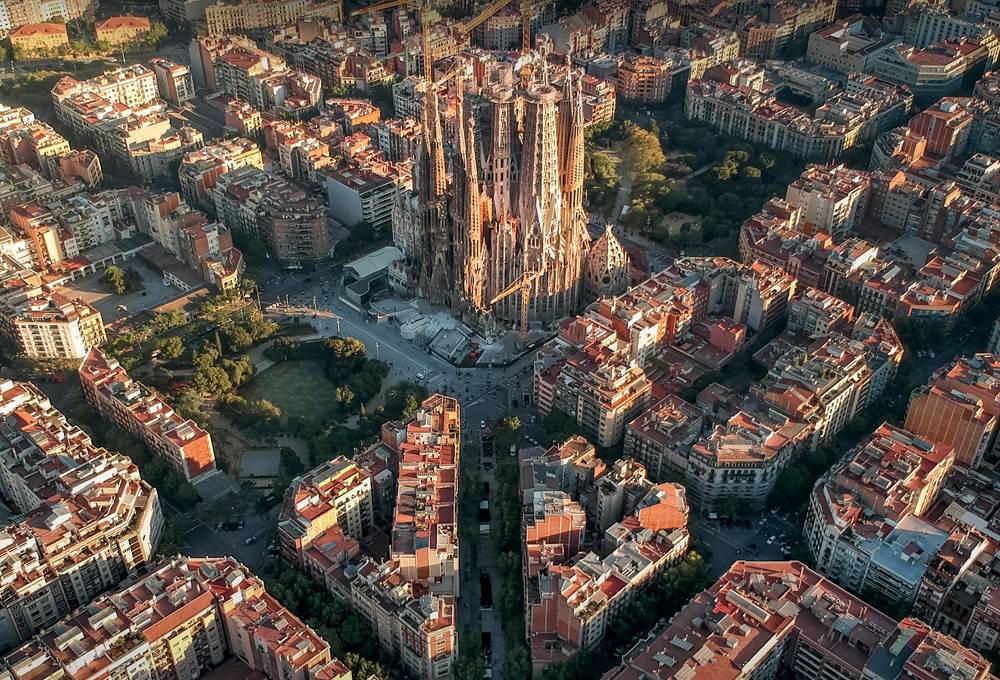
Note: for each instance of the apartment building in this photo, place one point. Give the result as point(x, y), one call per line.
point(960, 407)
point(740, 459)
point(428, 460)
point(205, 50)
point(294, 224)
point(38, 39)
point(397, 138)
point(357, 193)
point(863, 110)
point(937, 70)
point(122, 115)
point(241, 70)
point(409, 599)
point(571, 597)
point(208, 249)
point(764, 33)
point(571, 467)
point(173, 81)
point(342, 58)
point(824, 384)
point(121, 30)
point(238, 196)
point(291, 221)
point(583, 597)
point(816, 314)
point(238, 70)
point(25, 141)
point(199, 170)
point(778, 619)
point(602, 395)
point(338, 493)
point(409, 620)
point(958, 593)
point(554, 527)
point(49, 325)
point(133, 86)
point(49, 243)
point(306, 152)
point(945, 127)
point(850, 45)
point(933, 25)
point(86, 520)
point(181, 620)
point(91, 218)
point(661, 437)
point(866, 512)
point(644, 78)
point(16, 13)
point(242, 118)
point(832, 199)
point(243, 16)
point(204, 247)
point(80, 166)
point(130, 405)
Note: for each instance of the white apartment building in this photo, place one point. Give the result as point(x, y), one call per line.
point(833, 199)
point(358, 194)
point(53, 327)
point(850, 45)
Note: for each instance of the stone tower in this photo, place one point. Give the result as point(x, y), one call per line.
point(512, 204)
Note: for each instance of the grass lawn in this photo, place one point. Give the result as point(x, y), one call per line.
point(297, 388)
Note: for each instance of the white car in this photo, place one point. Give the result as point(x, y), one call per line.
point(771, 540)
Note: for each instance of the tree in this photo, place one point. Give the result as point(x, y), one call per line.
point(190, 404)
point(506, 433)
point(410, 406)
point(364, 668)
point(290, 462)
point(213, 381)
point(468, 663)
point(240, 370)
point(186, 495)
point(559, 425)
point(170, 348)
point(644, 150)
point(114, 278)
point(157, 33)
point(517, 665)
point(344, 396)
point(791, 485)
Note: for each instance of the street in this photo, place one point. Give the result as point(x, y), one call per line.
point(484, 392)
point(727, 544)
point(489, 564)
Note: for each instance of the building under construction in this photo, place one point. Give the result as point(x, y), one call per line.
point(495, 227)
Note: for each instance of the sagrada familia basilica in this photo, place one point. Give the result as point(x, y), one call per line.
point(496, 218)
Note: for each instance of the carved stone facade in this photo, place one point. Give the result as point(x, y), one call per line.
point(607, 267)
point(511, 208)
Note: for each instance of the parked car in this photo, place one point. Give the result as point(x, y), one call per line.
point(485, 592)
point(251, 540)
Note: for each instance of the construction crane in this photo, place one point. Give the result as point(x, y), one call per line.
point(523, 10)
point(522, 285)
point(423, 7)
